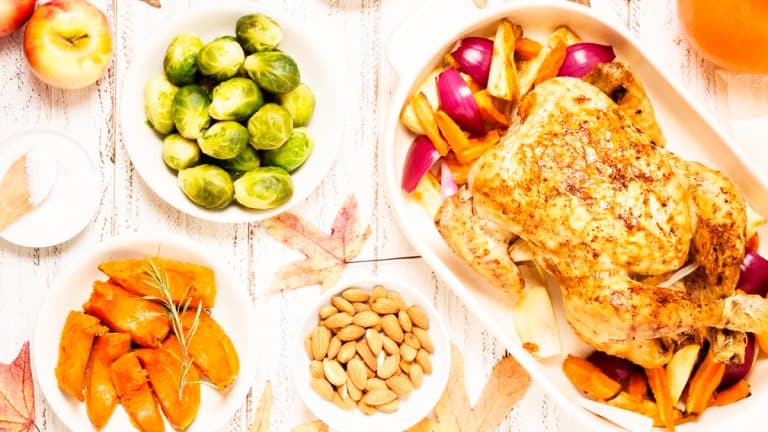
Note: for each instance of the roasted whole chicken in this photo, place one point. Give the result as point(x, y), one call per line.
point(585, 182)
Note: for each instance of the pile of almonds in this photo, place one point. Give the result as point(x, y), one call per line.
point(369, 350)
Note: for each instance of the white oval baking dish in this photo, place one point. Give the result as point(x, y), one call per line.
point(417, 47)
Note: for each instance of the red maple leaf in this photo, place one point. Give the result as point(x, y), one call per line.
point(326, 255)
point(17, 394)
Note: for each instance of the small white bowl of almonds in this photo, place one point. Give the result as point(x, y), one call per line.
point(372, 355)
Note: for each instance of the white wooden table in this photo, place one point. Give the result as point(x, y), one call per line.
point(128, 206)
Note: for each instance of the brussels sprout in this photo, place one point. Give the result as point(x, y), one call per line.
point(235, 99)
point(270, 127)
point(207, 186)
point(300, 102)
point(264, 188)
point(258, 33)
point(179, 152)
point(221, 58)
point(180, 58)
point(190, 111)
point(273, 71)
point(158, 103)
point(246, 160)
point(223, 140)
point(293, 153)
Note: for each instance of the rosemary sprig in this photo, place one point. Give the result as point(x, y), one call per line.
point(159, 280)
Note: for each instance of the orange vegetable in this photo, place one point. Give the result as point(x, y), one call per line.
point(753, 244)
point(100, 394)
point(645, 407)
point(638, 385)
point(453, 134)
point(589, 379)
point(732, 394)
point(426, 116)
point(526, 48)
point(657, 379)
point(703, 384)
point(762, 341)
point(459, 171)
point(478, 146)
point(552, 63)
point(135, 395)
point(212, 350)
point(74, 350)
point(449, 61)
point(489, 111)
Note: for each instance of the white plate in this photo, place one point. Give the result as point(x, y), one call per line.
point(232, 310)
point(418, 47)
point(304, 41)
point(413, 408)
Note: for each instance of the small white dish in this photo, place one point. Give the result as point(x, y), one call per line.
point(304, 41)
point(73, 198)
point(413, 408)
point(232, 311)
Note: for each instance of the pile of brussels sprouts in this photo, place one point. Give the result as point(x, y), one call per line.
point(233, 113)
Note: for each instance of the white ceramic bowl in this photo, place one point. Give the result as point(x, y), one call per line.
point(417, 47)
point(232, 310)
point(304, 42)
point(413, 408)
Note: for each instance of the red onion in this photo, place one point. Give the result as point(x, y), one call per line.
point(580, 58)
point(458, 102)
point(420, 158)
point(618, 369)
point(754, 274)
point(735, 372)
point(448, 185)
point(474, 58)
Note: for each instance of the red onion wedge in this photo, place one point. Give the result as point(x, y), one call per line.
point(754, 274)
point(735, 372)
point(421, 156)
point(580, 58)
point(448, 185)
point(618, 369)
point(473, 56)
point(458, 102)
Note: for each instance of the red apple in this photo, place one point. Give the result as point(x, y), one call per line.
point(68, 43)
point(13, 14)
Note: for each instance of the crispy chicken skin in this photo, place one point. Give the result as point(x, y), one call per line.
point(100, 394)
point(74, 350)
point(135, 394)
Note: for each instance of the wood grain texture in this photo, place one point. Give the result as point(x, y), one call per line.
point(360, 29)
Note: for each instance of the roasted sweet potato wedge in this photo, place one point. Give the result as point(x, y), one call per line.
point(132, 387)
point(74, 350)
point(184, 279)
point(212, 350)
point(146, 321)
point(164, 367)
point(100, 394)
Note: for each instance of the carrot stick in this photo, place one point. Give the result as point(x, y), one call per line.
point(478, 146)
point(489, 111)
point(552, 63)
point(452, 133)
point(703, 384)
point(657, 379)
point(459, 171)
point(732, 394)
point(426, 117)
point(589, 379)
point(638, 385)
point(526, 48)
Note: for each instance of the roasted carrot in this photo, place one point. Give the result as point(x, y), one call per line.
point(450, 61)
point(645, 407)
point(753, 244)
point(638, 385)
point(489, 111)
point(703, 384)
point(526, 49)
point(762, 341)
point(732, 394)
point(452, 133)
point(589, 379)
point(459, 171)
point(552, 63)
point(478, 146)
point(657, 379)
point(426, 116)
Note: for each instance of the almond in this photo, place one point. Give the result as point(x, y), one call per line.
point(359, 307)
point(379, 397)
point(357, 373)
point(322, 388)
point(391, 328)
point(350, 333)
point(337, 321)
point(405, 321)
point(354, 295)
point(424, 339)
point(316, 369)
point(365, 408)
point(354, 393)
point(346, 352)
point(416, 374)
point(423, 360)
point(369, 373)
point(395, 297)
point(418, 317)
point(407, 352)
point(389, 366)
point(389, 408)
point(384, 306)
point(345, 404)
point(366, 319)
point(406, 366)
point(375, 384)
point(327, 311)
point(389, 345)
point(366, 354)
point(334, 373)
point(400, 385)
point(343, 305)
point(321, 337)
point(411, 340)
point(333, 347)
point(378, 292)
point(375, 341)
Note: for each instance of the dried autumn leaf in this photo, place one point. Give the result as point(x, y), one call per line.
point(326, 255)
point(153, 3)
point(263, 410)
point(312, 426)
point(17, 394)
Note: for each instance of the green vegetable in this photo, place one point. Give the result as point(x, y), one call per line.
point(235, 99)
point(180, 153)
point(293, 153)
point(158, 103)
point(221, 58)
point(270, 127)
point(246, 160)
point(207, 186)
point(264, 188)
point(300, 102)
point(190, 111)
point(223, 140)
point(273, 71)
point(180, 59)
point(258, 33)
